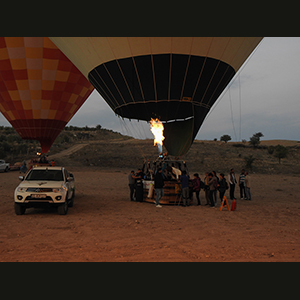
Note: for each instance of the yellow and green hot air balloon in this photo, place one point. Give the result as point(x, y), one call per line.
point(175, 79)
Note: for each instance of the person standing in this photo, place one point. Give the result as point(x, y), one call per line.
point(212, 182)
point(223, 186)
point(158, 186)
point(242, 185)
point(139, 189)
point(184, 180)
point(216, 186)
point(232, 182)
point(131, 183)
point(206, 188)
point(247, 186)
point(197, 187)
point(23, 168)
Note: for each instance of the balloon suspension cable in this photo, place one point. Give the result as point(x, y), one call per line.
point(130, 133)
point(232, 81)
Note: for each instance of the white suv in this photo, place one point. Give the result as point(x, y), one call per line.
point(45, 186)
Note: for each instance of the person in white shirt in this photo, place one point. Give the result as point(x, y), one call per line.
point(232, 182)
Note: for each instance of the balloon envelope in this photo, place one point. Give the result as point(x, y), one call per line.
point(40, 88)
point(174, 79)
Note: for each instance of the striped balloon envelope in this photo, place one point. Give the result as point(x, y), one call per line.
point(40, 88)
point(175, 79)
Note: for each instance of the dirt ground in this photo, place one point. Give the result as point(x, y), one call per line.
point(104, 225)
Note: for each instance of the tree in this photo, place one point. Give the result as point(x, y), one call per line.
point(280, 152)
point(271, 149)
point(225, 138)
point(258, 134)
point(255, 139)
point(249, 161)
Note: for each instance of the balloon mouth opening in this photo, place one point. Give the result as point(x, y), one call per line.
point(177, 120)
point(45, 145)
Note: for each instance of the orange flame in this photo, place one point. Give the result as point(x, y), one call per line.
point(157, 129)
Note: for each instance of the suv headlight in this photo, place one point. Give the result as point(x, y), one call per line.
point(59, 190)
point(21, 190)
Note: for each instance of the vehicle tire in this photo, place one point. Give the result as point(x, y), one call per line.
point(19, 209)
point(6, 169)
point(71, 202)
point(63, 208)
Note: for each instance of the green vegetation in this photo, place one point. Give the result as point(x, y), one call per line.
point(249, 161)
point(13, 148)
point(225, 138)
point(280, 152)
point(109, 149)
point(12, 145)
point(255, 139)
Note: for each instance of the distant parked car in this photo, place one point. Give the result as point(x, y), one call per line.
point(45, 186)
point(4, 167)
point(16, 166)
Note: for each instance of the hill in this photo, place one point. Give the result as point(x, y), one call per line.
point(203, 156)
point(13, 148)
point(101, 148)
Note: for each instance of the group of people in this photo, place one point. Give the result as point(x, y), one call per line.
point(243, 183)
point(213, 186)
point(136, 185)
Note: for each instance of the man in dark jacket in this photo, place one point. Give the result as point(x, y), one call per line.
point(158, 186)
point(139, 191)
point(184, 180)
point(223, 186)
point(212, 182)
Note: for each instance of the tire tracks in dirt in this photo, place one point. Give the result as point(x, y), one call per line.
point(68, 151)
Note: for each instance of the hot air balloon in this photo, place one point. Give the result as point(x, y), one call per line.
point(40, 88)
point(174, 79)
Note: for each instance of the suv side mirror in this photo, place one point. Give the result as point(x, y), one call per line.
point(21, 178)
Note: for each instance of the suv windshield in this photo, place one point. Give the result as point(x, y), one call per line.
point(54, 175)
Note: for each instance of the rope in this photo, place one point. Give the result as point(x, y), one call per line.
point(240, 100)
point(231, 112)
point(130, 133)
point(192, 132)
point(233, 80)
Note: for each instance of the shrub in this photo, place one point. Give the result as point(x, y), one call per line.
point(271, 149)
point(255, 139)
point(280, 152)
point(225, 138)
point(249, 161)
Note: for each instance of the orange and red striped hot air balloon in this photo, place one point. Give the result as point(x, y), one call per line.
point(40, 88)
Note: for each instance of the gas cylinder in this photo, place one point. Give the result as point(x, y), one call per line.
point(233, 205)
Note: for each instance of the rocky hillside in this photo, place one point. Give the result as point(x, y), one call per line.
point(203, 156)
point(105, 149)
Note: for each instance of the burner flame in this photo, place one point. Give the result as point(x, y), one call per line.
point(157, 129)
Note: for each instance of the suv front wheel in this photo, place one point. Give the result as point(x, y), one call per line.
point(19, 209)
point(63, 208)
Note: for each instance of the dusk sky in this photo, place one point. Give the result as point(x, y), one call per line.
point(264, 97)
